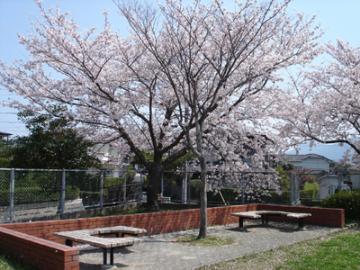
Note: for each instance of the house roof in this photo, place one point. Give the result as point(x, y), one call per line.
point(5, 134)
point(298, 158)
point(354, 170)
point(326, 176)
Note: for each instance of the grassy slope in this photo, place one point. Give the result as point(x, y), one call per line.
point(341, 252)
point(338, 251)
point(9, 264)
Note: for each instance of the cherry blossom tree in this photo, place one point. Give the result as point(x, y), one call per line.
point(216, 60)
point(110, 87)
point(185, 72)
point(325, 107)
point(244, 163)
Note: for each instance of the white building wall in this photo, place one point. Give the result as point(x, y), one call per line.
point(313, 163)
point(355, 179)
point(328, 186)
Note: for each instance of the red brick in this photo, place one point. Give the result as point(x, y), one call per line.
point(22, 239)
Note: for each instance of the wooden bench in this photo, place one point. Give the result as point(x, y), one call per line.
point(265, 214)
point(100, 238)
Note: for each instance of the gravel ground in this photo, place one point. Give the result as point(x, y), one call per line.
point(161, 252)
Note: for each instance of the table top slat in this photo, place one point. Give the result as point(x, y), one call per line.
point(92, 237)
point(258, 214)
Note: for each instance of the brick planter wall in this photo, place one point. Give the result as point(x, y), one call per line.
point(38, 252)
point(40, 235)
point(332, 217)
point(154, 223)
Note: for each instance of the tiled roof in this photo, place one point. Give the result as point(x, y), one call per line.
point(5, 134)
point(298, 158)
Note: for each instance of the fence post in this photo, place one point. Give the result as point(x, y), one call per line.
point(294, 189)
point(124, 189)
point(184, 189)
point(162, 186)
point(101, 199)
point(11, 195)
point(61, 206)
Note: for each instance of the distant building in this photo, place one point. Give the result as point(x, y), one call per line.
point(110, 158)
point(311, 162)
point(323, 169)
point(4, 136)
point(355, 177)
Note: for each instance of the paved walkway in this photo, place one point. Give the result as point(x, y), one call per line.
point(161, 252)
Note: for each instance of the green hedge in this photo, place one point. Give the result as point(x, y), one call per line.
point(311, 190)
point(229, 195)
point(37, 195)
point(113, 181)
point(283, 197)
point(349, 200)
point(307, 194)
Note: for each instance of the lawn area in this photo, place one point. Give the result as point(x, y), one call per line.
point(9, 264)
point(337, 251)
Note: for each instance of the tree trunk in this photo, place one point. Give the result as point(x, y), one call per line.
point(154, 179)
point(203, 172)
point(203, 200)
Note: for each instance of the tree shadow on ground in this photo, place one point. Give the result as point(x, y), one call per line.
point(89, 266)
point(123, 250)
point(282, 227)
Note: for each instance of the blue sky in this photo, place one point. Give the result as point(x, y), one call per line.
point(338, 19)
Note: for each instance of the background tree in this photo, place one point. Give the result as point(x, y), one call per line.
point(5, 154)
point(323, 105)
point(283, 172)
point(52, 144)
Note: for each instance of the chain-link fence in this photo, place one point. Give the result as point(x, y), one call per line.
point(28, 194)
point(5, 195)
point(225, 188)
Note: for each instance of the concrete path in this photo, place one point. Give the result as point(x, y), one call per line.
point(161, 252)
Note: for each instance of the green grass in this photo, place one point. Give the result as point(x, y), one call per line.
point(208, 241)
point(337, 251)
point(10, 264)
point(341, 252)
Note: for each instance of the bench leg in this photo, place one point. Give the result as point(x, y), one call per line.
point(112, 256)
point(104, 256)
point(264, 220)
point(241, 223)
point(69, 242)
point(301, 223)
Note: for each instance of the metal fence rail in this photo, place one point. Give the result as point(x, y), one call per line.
point(223, 187)
point(27, 194)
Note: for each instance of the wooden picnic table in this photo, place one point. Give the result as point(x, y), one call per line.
point(99, 237)
point(265, 214)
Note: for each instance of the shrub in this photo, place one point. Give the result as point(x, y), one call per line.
point(275, 197)
point(306, 194)
point(348, 200)
point(312, 189)
point(229, 195)
point(37, 195)
point(283, 177)
point(90, 197)
point(113, 181)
